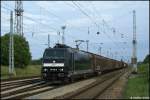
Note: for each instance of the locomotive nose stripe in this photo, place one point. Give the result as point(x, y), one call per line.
point(54, 64)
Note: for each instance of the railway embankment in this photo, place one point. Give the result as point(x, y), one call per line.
point(137, 86)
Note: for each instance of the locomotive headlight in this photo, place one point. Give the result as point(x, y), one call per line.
point(62, 69)
point(45, 69)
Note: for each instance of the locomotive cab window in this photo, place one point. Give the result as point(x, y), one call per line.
point(54, 53)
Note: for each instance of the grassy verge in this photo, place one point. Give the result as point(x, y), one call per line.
point(31, 70)
point(138, 86)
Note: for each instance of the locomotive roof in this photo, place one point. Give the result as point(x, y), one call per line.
point(65, 46)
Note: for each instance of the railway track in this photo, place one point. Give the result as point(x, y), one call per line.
point(25, 90)
point(16, 89)
point(29, 87)
point(17, 78)
point(19, 83)
point(94, 90)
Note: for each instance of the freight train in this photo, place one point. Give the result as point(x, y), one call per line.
point(65, 64)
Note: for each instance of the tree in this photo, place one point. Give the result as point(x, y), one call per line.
point(22, 55)
point(146, 60)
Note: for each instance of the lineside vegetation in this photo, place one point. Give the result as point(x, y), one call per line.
point(22, 55)
point(30, 70)
point(138, 85)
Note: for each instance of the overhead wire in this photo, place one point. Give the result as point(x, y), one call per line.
point(61, 19)
point(75, 8)
point(79, 7)
point(85, 13)
point(106, 24)
point(110, 28)
point(92, 20)
point(50, 13)
point(39, 22)
point(29, 18)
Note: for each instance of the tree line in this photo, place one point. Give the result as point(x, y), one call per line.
point(22, 55)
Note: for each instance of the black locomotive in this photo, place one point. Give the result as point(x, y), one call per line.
point(63, 63)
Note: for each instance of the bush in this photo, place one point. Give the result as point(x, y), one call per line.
point(22, 55)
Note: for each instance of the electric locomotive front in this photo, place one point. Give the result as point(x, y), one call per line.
point(53, 64)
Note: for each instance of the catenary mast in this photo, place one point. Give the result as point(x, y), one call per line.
point(134, 42)
point(11, 47)
point(19, 17)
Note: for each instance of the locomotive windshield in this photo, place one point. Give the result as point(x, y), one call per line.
point(50, 53)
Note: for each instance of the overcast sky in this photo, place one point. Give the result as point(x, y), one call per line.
point(82, 20)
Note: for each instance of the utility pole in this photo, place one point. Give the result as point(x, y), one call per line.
point(107, 53)
point(110, 52)
point(88, 31)
point(112, 55)
point(11, 48)
point(87, 42)
point(58, 33)
point(48, 40)
point(63, 38)
point(100, 50)
point(19, 17)
point(134, 42)
point(116, 55)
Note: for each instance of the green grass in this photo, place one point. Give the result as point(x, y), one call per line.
point(31, 70)
point(138, 86)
